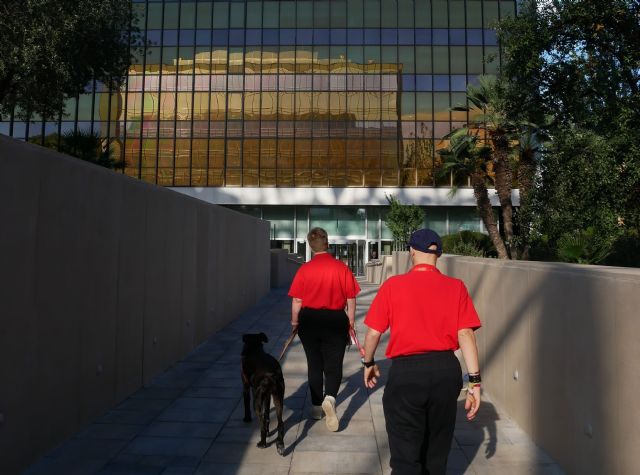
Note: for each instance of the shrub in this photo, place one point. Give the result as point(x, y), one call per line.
point(464, 248)
point(468, 243)
point(582, 247)
point(625, 251)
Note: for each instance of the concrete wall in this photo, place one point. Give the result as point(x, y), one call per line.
point(387, 268)
point(283, 268)
point(560, 353)
point(105, 281)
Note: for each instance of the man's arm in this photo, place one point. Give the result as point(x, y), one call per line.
point(467, 341)
point(296, 305)
point(371, 341)
point(351, 311)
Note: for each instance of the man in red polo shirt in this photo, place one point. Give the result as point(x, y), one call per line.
point(321, 289)
point(430, 315)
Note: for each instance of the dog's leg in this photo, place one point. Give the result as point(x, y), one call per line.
point(266, 412)
point(245, 395)
point(278, 401)
point(258, 405)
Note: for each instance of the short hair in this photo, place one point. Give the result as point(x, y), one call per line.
point(318, 240)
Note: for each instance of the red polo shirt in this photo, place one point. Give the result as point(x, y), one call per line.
point(424, 310)
point(324, 282)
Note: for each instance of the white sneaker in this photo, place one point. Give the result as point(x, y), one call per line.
point(329, 408)
point(316, 412)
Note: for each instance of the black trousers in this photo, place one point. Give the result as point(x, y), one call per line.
point(419, 404)
point(324, 335)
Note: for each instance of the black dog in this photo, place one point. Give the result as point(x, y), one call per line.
point(262, 373)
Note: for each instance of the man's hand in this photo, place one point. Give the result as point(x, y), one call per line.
point(472, 404)
point(371, 376)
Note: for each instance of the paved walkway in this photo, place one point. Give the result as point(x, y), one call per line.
point(189, 421)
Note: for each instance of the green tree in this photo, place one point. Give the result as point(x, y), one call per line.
point(51, 50)
point(402, 220)
point(576, 66)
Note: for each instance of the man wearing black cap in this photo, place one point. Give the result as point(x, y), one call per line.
point(430, 316)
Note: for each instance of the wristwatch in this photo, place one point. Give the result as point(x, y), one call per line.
point(367, 364)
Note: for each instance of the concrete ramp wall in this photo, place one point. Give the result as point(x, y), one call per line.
point(105, 281)
point(283, 268)
point(560, 353)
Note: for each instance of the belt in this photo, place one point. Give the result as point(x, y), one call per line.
point(419, 356)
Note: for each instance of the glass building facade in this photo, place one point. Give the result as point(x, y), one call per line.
point(289, 94)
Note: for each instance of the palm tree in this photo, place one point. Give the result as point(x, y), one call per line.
point(467, 156)
point(498, 131)
point(530, 145)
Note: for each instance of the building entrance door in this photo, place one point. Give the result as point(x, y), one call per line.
point(351, 252)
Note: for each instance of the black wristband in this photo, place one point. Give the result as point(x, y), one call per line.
point(475, 378)
point(368, 364)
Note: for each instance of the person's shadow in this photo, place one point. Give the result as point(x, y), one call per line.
point(472, 436)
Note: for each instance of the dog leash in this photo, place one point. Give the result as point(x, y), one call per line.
point(354, 339)
point(294, 332)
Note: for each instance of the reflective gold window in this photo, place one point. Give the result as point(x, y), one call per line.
point(292, 93)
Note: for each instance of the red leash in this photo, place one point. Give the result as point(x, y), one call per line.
point(354, 339)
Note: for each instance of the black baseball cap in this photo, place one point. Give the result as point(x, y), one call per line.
point(421, 239)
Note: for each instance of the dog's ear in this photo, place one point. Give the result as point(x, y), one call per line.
point(263, 337)
point(245, 337)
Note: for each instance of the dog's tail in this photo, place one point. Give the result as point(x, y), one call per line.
point(268, 382)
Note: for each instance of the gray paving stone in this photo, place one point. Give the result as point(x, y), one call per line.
point(154, 392)
point(198, 410)
point(219, 382)
point(179, 471)
point(232, 392)
point(338, 443)
point(182, 429)
point(119, 469)
point(251, 435)
point(83, 449)
point(48, 466)
point(139, 405)
point(335, 462)
point(214, 468)
point(222, 371)
point(109, 431)
point(238, 413)
point(169, 446)
point(128, 417)
point(175, 381)
point(143, 464)
point(233, 453)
